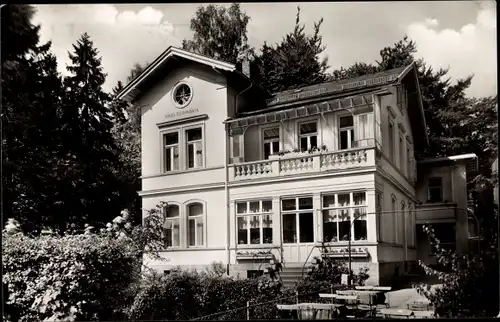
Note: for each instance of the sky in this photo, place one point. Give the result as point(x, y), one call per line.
point(459, 35)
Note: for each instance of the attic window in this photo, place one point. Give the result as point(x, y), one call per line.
point(182, 95)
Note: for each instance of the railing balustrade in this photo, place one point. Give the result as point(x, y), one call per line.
point(296, 163)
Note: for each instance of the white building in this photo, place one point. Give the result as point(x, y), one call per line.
point(213, 148)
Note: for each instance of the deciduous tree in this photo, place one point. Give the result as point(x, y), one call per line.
point(220, 33)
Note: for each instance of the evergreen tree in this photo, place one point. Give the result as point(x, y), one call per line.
point(358, 69)
point(92, 192)
point(220, 33)
point(127, 135)
point(295, 61)
point(31, 101)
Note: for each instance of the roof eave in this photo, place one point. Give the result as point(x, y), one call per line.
point(168, 53)
point(455, 158)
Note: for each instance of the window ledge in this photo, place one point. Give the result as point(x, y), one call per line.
point(169, 173)
point(256, 246)
point(192, 248)
point(345, 243)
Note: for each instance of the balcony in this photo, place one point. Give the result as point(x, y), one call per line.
point(303, 162)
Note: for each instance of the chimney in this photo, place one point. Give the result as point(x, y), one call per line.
point(245, 67)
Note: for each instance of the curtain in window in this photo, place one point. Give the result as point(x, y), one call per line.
point(255, 229)
point(330, 226)
point(267, 229)
point(171, 230)
point(343, 200)
point(199, 154)
point(242, 230)
point(199, 230)
point(344, 224)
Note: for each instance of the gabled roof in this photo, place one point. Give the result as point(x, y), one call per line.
point(130, 92)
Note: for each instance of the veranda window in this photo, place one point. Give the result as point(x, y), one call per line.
point(346, 132)
point(255, 223)
point(271, 141)
point(344, 214)
point(298, 220)
point(308, 136)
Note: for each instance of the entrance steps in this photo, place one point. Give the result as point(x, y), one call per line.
point(293, 272)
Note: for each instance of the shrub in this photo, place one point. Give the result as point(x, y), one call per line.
point(80, 276)
point(190, 295)
point(331, 270)
point(470, 282)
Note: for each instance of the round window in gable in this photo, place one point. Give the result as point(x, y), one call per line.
point(182, 95)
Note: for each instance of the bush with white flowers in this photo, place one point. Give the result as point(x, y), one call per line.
point(82, 276)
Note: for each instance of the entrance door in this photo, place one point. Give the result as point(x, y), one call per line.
point(297, 224)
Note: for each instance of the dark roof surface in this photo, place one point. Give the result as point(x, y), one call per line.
point(337, 87)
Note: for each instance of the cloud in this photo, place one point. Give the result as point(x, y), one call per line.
point(123, 37)
point(431, 22)
point(469, 50)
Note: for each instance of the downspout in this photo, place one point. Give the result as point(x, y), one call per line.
point(226, 191)
point(226, 181)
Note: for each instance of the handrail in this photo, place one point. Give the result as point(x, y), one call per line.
point(304, 155)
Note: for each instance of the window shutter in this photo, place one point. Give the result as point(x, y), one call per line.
point(369, 126)
point(236, 148)
point(357, 131)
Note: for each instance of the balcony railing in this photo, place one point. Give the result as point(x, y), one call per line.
point(303, 162)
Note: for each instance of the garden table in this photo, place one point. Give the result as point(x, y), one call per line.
point(397, 313)
point(374, 288)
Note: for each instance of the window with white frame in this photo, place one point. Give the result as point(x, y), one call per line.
point(401, 153)
point(271, 141)
point(255, 222)
point(435, 189)
point(194, 148)
point(171, 151)
point(195, 215)
point(298, 220)
point(344, 214)
point(390, 148)
point(346, 132)
point(308, 135)
point(171, 230)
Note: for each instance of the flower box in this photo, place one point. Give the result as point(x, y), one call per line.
point(344, 252)
point(248, 255)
